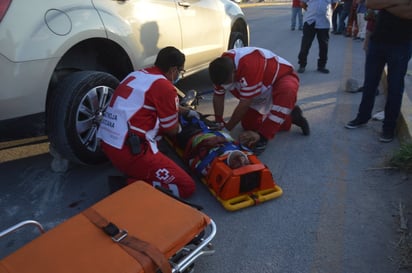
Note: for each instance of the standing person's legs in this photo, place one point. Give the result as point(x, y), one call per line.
point(334, 21)
point(374, 65)
point(293, 19)
point(300, 18)
point(342, 18)
point(361, 26)
point(307, 39)
point(323, 40)
point(398, 57)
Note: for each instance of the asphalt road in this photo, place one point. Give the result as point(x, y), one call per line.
point(340, 209)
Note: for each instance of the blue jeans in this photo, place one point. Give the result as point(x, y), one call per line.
point(396, 57)
point(341, 23)
point(297, 12)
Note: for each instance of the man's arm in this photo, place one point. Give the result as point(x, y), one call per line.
point(401, 11)
point(303, 5)
point(384, 4)
point(238, 113)
point(218, 106)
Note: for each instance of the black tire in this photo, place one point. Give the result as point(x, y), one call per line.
point(75, 114)
point(237, 40)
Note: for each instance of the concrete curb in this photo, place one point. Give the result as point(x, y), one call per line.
point(405, 119)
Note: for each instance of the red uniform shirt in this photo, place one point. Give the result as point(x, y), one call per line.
point(256, 71)
point(144, 102)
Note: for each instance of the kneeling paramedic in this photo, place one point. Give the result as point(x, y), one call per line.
point(266, 86)
point(144, 106)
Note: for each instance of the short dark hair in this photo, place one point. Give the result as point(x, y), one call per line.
point(220, 70)
point(169, 57)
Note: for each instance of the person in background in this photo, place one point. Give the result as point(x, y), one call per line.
point(360, 11)
point(296, 13)
point(337, 13)
point(370, 17)
point(317, 22)
point(390, 45)
point(144, 106)
point(347, 5)
point(266, 86)
point(352, 26)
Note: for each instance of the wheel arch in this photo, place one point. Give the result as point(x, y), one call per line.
point(241, 26)
point(95, 54)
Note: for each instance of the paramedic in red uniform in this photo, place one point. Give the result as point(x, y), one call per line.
point(266, 86)
point(144, 106)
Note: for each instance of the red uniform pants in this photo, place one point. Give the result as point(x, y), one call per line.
point(156, 169)
point(284, 96)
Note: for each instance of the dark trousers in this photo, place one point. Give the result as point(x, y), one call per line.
point(396, 57)
point(309, 33)
point(335, 17)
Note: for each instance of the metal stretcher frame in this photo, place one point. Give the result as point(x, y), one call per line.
point(184, 236)
point(242, 200)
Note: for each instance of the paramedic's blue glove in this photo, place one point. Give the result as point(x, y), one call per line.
point(193, 114)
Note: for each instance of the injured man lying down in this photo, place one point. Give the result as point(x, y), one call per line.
point(201, 141)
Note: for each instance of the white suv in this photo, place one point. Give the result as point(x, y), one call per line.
point(60, 60)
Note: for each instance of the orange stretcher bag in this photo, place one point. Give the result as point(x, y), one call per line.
point(243, 187)
point(146, 227)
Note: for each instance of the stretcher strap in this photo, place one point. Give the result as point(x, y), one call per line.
point(145, 253)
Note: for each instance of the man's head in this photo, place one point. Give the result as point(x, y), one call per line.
point(171, 61)
point(221, 71)
point(237, 159)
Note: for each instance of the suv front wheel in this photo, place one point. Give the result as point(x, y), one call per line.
point(76, 110)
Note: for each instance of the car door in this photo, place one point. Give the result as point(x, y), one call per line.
point(202, 23)
point(141, 27)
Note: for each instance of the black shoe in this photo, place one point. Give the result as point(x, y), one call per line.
point(386, 136)
point(356, 123)
point(301, 69)
point(299, 120)
point(337, 33)
point(292, 28)
point(260, 146)
point(323, 70)
point(360, 89)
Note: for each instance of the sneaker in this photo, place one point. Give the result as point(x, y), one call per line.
point(260, 146)
point(301, 69)
point(299, 120)
point(356, 123)
point(386, 137)
point(323, 70)
point(360, 89)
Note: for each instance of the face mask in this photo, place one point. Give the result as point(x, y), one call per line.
point(177, 79)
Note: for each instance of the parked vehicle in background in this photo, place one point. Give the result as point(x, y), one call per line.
point(61, 60)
